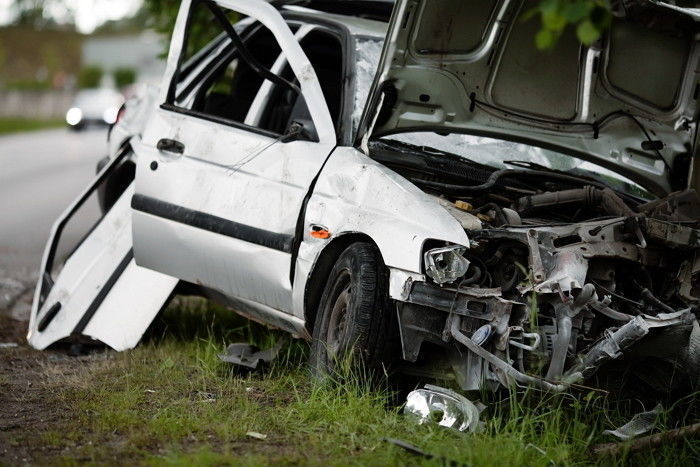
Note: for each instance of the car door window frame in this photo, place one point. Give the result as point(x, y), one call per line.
point(200, 64)
point(347, 49)
point(262, 97)
point(210, 67)
point(253, 9)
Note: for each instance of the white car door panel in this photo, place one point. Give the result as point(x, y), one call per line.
point(218, 203)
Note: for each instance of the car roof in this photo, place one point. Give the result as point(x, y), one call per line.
point(356, 26)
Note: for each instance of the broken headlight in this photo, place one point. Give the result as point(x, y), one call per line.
point(446, 264)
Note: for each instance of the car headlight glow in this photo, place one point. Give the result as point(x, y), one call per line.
point(110, 115)
point(446, 264)
point(74, 116)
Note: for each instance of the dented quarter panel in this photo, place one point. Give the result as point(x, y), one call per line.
point(355, 194)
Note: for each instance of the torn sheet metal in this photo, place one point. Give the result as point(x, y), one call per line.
point(100, 293)
point(444, 406)
point(248, 355)
point(641, 423)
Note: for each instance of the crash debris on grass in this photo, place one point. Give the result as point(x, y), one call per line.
point(434, 404)
point(641, 423)
point(249, 356)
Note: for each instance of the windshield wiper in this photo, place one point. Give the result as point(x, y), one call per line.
point(543, 168)
point(591, 179)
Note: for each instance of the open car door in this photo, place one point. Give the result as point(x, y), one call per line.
point(100, 293)
point(219, 193)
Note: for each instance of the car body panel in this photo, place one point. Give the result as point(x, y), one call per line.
point(357, 194)
point(102, 293)
point(255, 183)
point(589, 102)
point(354, 194)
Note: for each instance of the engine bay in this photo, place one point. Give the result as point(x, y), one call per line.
point(563, 274)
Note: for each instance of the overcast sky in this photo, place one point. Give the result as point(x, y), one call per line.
point(88, 13)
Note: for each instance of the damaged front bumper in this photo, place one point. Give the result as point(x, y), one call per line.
point(560, 324)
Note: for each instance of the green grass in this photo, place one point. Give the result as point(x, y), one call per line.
point(18, 125)
point(171, 401)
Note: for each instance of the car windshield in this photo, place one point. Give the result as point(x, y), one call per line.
point(501, 154)
point(367, 54)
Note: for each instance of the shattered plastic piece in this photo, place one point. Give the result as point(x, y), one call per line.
point(641, 423)
point(453, 410)
point(256, 435)
point(609, 348)
point(646, 443)
point(248, 355)
point(482, 334)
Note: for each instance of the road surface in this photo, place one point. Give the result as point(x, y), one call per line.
point(40, 174)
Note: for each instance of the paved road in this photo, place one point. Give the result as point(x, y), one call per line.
point(40, 174)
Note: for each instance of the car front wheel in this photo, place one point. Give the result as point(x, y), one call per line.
point(354, 320)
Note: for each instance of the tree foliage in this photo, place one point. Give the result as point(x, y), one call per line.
point(34, 14)
point(125, 76)
point(161, 18)
point(590, 18)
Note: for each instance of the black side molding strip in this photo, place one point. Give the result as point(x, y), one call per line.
point(102, 294)
point(49, 316)
point(211, 223)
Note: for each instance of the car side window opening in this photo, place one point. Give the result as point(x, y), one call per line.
point(228, 88)
point(229, 91)
point(283, 108)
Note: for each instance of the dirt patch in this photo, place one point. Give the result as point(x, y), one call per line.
point(15, 297)
point(31, 390)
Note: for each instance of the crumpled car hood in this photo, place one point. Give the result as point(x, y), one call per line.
point(628, 102)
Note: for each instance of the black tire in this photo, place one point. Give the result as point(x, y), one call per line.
point(354, 318)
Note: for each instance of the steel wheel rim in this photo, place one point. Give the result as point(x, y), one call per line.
point(337, 323)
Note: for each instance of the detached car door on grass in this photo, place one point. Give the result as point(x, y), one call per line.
point(217, 198)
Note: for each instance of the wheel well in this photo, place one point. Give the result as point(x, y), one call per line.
point(322, 268)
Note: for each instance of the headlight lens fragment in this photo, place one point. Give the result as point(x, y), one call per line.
point(446, 264)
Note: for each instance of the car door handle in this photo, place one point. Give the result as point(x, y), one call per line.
point(171, 146)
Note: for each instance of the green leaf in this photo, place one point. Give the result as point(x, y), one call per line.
point(553, 20)
point(576, 11)
point(549, 5)
point(529, 14)
point(545, 39)
point(587, 33)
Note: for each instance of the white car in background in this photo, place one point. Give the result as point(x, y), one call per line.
point(476, 209)
point(99, 106)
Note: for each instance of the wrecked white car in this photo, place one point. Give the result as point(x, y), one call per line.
point(475, 208)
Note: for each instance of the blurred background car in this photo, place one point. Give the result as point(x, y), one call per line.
point(94, 107)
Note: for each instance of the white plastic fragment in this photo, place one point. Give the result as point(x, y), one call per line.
point(641, 423)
